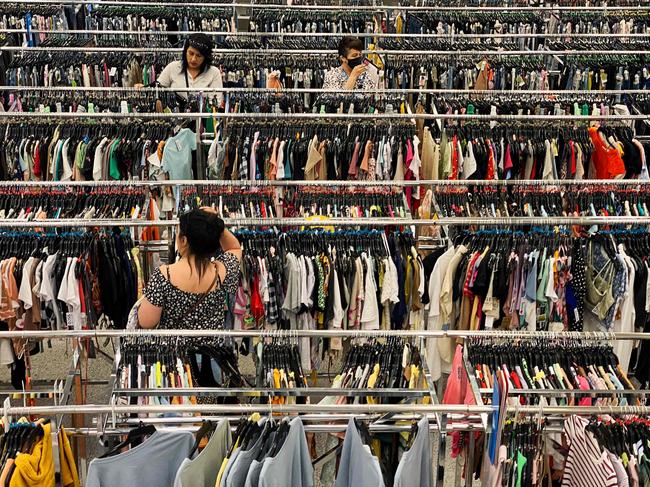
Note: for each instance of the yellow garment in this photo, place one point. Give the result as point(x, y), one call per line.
point(222, 469)
point(372, 380)
point(415, 374)
point(35, 469)
point(69, 476)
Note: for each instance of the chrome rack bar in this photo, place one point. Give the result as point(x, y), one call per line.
point(507, 334)
point(319, 184)
point(387, 52)
point(320, 116)
point(264, 392)
point(370, 8)
point(344, 222)
point(377, 91)
point(577, 392)
point(319, 408)
point(252, 34)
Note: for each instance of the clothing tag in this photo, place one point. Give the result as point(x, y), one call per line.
point(179, 145)
point(124, 106)
point(112, 72)
point(576, 314)
point(72, 321)
point(91, 107)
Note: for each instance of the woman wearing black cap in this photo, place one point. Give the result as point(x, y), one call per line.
point(194, 70)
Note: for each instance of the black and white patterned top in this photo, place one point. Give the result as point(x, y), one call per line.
point(336, 78)
point(176, 304)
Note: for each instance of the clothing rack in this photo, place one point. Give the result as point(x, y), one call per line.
point(288, 222)
point(379, 35)
point(336, 183)
point(323, 116)
point(319, 408)
point(511, 334)
point(388, 91)
point(331, 52)
point(371, 8)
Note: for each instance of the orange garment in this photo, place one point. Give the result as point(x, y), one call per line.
point(607, 160)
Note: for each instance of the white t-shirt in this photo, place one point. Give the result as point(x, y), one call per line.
point(174, 77)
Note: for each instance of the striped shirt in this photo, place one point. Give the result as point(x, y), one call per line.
point(586, 465)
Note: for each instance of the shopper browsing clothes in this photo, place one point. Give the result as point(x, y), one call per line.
point(193, 70)
point(354, 73)
point(192, 292)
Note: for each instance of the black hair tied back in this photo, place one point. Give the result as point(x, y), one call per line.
point(203, 231)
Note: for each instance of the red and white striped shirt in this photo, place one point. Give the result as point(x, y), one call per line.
point(586, 465)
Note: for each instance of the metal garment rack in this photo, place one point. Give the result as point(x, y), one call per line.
point(374, 91)
point(345, 8)
point(331, 52)
point(379, 35)
point(347, 222)
point(77, 116)
point(336, 183)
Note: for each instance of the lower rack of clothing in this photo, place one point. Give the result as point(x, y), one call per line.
point(265, 452)
point(558, 368)
point(539, 281)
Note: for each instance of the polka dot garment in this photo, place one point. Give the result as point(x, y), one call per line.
point(208, 314)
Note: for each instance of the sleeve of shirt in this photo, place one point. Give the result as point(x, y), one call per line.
point(330, 81)
point(155, 290)
point(231, 263)
point(165, 78)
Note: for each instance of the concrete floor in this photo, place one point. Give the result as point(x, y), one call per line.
point(54, 363)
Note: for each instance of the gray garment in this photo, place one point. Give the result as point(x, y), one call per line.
point(201, 472)
point(415, 466)
point(231, 462)
point(154, 462)
point(358, 466)
point(239, 470)
point(291, 467)
point(253, 477)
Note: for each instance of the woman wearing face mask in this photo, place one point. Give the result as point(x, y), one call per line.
point(194, 70)
point(352, 74)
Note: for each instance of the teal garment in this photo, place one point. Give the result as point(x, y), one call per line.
point(177, 155)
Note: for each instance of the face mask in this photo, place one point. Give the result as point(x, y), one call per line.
point(357, 61)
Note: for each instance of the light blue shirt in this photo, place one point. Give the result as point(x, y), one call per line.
point(177, 155)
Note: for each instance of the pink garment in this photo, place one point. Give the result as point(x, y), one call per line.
point(458, 390)
point(584, 386)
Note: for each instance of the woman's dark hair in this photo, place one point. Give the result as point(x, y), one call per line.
point(348, 43)
point(203, 44)
point(203, 231)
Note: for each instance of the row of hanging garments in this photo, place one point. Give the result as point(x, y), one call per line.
point(260, 452)
point(278, 366)
point(71, 280)
point(609, 450)
point(162, 364)
point(32, 203)
point(257, 150)
point(520, 458)
point(91, 152)
point(540, 201)
point(301, 202)
point(373, 365)
point(539, 281)
point(328, 280)
point(563, 369)
point(529, 152)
